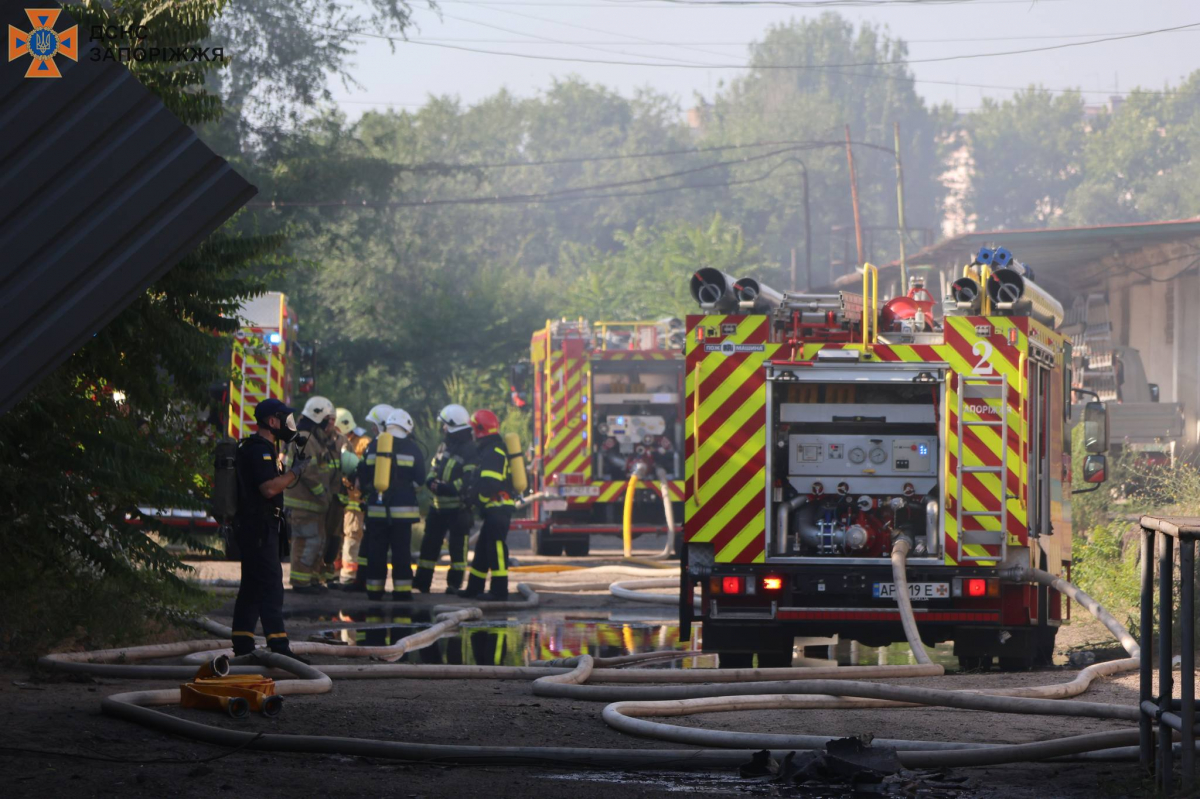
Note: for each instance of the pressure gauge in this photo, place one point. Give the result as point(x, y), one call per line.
point(878, 456)
point(857, 455)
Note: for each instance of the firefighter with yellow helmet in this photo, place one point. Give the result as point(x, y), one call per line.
point(450, 515)
point(308, 500)
point(492, 491)
point(353, 574)
point(392, 470)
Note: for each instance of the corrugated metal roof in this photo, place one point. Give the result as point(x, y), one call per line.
point(1053, 252)
point(103, 190)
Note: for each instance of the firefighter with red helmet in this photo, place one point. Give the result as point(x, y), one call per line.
point(492, 491)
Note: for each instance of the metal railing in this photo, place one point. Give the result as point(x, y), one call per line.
point(1158, 537)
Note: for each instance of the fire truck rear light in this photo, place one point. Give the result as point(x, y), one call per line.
point(732, 585)
point(976, 587)
point(772, 583)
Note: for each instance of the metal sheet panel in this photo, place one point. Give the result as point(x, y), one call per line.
point(102, 191)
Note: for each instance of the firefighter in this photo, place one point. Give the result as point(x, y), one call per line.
point(343, 425)
point(392, 477)
point(492, 491)
point(308, 500)
point(259, 527)
point(449, 514)
point(354, 573)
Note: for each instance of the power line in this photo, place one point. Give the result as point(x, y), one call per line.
point(797, 67)
point(648, 42)
point(550, 195)
point(671, 6)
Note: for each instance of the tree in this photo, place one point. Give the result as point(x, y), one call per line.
point(1137, 163)
point(1027, 158)
point(120, 425)
point(813, 105)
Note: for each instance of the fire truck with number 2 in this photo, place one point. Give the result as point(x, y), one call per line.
point(821, 430)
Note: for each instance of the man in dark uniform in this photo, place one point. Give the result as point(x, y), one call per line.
point(455, 458)
point(492, 491)
point(259, 527)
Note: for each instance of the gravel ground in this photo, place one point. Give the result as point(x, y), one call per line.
point(101, 756)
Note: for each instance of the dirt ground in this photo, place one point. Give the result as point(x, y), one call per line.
point(55, 742)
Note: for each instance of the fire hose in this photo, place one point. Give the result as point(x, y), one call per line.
point(701, 691)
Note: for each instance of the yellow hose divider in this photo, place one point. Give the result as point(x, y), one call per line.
point(627, 524)
point(985, 273)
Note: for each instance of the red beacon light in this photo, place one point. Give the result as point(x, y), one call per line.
point(732, 585)
point(976, 587)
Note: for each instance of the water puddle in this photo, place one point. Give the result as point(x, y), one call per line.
point(519, 641)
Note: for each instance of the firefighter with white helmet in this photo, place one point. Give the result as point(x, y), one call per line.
point(308, 501)
point(393, 469)
point(450, 513)
point(353, 576)
point(378, 416)
point(335, 517)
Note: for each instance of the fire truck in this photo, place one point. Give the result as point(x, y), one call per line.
point(607, 402)
point(822, 429)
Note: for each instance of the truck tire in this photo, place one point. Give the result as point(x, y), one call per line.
point(543, 544)
point(1044, 656)
point(974, 664)
point(578, 547)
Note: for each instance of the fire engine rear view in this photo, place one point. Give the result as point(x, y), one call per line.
point(840, 449)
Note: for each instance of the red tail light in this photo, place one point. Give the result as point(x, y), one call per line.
point(976, 587)
point(772, 583)
point(732, 585)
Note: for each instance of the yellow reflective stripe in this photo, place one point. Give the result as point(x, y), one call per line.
point(497, 503)
point(427, 564)
point(404, 512)
point(476, 573)
point(274, 636)
point(404, 460)
point(300, 504)
point(317, 490)
point(376, 512)
point(405, 586)
point(375, 585)
point(242, 632)
point(370, 458)
point(360, 560)
point(490, 473)
point(457, 567)
point(502, 569)
point(448, 472)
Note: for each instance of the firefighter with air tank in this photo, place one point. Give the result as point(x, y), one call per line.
point(491, 490)
point(308, 500)
point(450, 514)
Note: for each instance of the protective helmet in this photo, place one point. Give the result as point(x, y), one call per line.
point(317, 410)
point(399, 423)
point(454, 417)
point(379, 414)
point(345, 421)
point(484, 423)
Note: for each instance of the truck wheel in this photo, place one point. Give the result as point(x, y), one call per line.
point(1045, 646)
point(544, 544)
point(974, 664)
point(735, 660)
point(579, 547)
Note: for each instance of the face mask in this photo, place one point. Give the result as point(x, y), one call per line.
point(287, 428)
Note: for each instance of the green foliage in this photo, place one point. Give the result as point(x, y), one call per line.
point(1026, 152)
point(646, 278)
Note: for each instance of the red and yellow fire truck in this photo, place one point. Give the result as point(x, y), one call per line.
point(607, 404)
point(821, 429)
point(263, 360)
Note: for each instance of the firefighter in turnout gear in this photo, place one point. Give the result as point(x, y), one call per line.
point(492, 491)
point(260, 527)
point(335, 516)
point(308, 500)
point(392, 471)
point(450, 514)
point(354, 560)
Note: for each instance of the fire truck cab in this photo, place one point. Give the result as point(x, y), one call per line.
point(822, 429)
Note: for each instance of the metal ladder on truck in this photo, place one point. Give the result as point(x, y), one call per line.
point(986, 389)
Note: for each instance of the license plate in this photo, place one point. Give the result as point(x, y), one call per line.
point(555, 504)
point(581, 491)
point(917, 592)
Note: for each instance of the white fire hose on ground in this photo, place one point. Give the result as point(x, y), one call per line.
point(640, 697)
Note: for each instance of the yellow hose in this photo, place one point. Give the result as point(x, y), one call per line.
point(627, 525)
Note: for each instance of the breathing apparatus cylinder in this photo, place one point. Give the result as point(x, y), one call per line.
point(224, 495)
point(383, 462)
point(516, 461)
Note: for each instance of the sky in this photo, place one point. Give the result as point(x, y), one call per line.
point(661, 32)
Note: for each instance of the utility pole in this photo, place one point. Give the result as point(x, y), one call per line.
point(854, 200)
point(900, 211)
